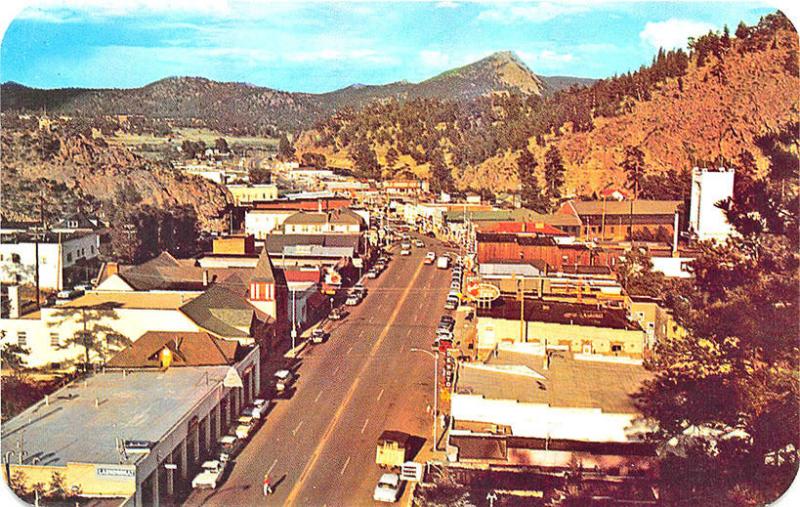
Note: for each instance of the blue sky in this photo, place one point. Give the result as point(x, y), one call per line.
point(322, 46)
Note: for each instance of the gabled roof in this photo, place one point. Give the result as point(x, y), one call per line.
point(337, 216)
point(165, 272)
point(263, 271)
point(188, 349)
point(222, 312)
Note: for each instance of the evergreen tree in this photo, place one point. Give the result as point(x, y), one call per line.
point(285, 149)
point(530, 192)
point(553, 173)
point(726, 397)
point(634, 168)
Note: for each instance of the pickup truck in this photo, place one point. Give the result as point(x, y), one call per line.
point(442, 262)
point(210, 475)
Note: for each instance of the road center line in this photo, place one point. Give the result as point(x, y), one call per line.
point(272, 466)
point(350, 349)
point(318, 396)
point(290, 499)
point(380, 394)
point(294, 432)
point(336, 370)
point(345, 466)
point(365, 426)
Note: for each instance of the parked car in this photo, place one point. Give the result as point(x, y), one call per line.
point(405, 245)
point(419, 243)
point(447, 318)
point(318, 335)
point(451, 303)
point(210, 475)
point(256, 409)
point(372, 273)
point(67, 294)
point(387, 489)
point(283, 379)
point(336, 314)
point(405, 252)
point(352, 300)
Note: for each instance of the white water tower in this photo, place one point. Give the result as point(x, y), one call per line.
point(710, 186)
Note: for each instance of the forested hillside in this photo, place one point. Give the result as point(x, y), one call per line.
point(685, 108)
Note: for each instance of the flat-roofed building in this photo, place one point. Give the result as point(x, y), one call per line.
point(245, 195)
point(136, 434)
point(527, 408)
point(578, 328)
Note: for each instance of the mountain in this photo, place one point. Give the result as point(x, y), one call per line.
point(683, 110)
point(238, 107)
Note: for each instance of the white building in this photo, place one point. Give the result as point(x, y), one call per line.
point(64, 259)
point(709, 187)
point(244, 195)
point(261, 222)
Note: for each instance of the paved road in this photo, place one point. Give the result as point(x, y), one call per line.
point(319, 445)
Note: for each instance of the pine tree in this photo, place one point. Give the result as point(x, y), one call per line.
point(634, 168)
point(530, 191)
point(553, 173)
point(726, 397)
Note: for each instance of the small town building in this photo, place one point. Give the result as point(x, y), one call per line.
point(247, 194)
point(341, 221)
point(65, 259)
point(588, 329)
point(611, 220)
point(146, 423)
point(525, 406)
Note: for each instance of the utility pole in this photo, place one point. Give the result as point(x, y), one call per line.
point(521, 299)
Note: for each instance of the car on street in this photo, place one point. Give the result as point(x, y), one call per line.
point(419, 243)
point(388, 488)
point(283, 379)
point(352, 300)
point(336, 314)
point(451, 303)
point(443, 262)
point(430, 257)
point(455, 284)
point(405, 252)
point(244, 425)
point(210, 475)
point(405, 245)
point(372, 273)
point(256, 409)
point(447, 318)
point(318, 335)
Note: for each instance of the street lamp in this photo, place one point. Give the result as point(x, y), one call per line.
point(435, 392)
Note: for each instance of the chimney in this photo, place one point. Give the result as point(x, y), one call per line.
point(13, 302)
point(112, 268)
point(205, 278)
point(319, 205)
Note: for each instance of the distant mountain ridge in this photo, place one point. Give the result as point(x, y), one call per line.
point(234, 104)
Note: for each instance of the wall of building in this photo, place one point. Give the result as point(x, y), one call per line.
point(246, 194)
point(579, 339)
point(260, 223)
point(53, 326)
point(56, 261)
point(708, 188)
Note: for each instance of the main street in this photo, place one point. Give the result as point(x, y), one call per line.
point(319, 444)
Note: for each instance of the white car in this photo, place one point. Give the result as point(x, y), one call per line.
point(352, 300)
point(405, 252)
point(283, 378)
point(388, 488)
point(210, 476)
point(256, 409)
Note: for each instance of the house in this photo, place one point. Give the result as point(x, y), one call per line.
point(612, 220)
point(78, 222)
point(530, 407)
point(587, 329)
point(709, 186)
point(64, 259)
point(136, 433)
point(529, 247)
point(342, 221)
point(266, 217)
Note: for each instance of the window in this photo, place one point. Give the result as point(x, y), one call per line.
point(92, 247)
point(616, 348)
point(69, 257)
point(54, 340)
point(22, 338)
point(43, 260)
point(15, 258)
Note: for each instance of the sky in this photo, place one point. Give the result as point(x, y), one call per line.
point(322, 46)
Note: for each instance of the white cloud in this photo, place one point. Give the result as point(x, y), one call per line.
point(364, 55)
point(433, 58)
point(447, 5)
point(535, 12)
point(672, 33)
